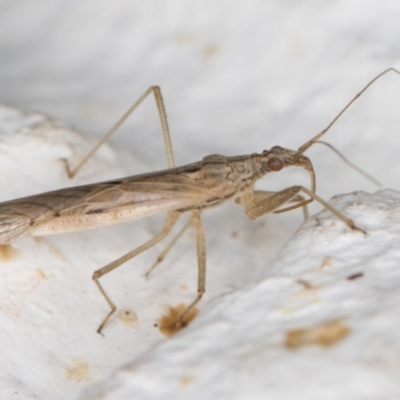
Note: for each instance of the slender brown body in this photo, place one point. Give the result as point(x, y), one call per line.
point(199, 185)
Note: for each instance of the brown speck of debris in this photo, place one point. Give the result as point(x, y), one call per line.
point(7, 252)
point(355, 276)
point(53, 249)
point(186, 380)
point(167, 323)
point(325, 335)
point(41, 274)
point(210, 51)
point(129, 318)
point(305, 284)
point(183, 38)
point(234, 235)
point(326, 262)
point(79, 370)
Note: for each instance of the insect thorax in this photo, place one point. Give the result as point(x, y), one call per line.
point(230, 174)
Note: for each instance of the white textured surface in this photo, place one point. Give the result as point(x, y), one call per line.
point(237, 77)
point(237, 350)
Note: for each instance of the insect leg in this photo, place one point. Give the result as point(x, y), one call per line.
point(172, 217)
point(251, 200)
point(256, 209)
point(201, 260)
point(332, 209)
point(171, 244)
point(164, 125)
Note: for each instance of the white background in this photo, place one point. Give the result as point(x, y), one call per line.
point(237, 77)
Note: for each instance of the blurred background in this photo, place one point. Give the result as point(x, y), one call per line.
point(237, 77)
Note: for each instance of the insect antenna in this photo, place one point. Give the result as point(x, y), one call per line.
point(308, 144)
point(350, 164)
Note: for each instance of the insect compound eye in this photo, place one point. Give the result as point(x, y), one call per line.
point(275, 164)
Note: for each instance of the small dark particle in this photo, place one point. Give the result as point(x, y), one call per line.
point(355, 276)
point(98, 211)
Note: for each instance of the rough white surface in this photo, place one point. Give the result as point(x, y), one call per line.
point(237, 77)
point(326, 275)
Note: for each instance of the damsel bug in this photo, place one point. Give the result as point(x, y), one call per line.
point(176, 190)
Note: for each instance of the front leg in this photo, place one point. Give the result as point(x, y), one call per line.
point(258, 203)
